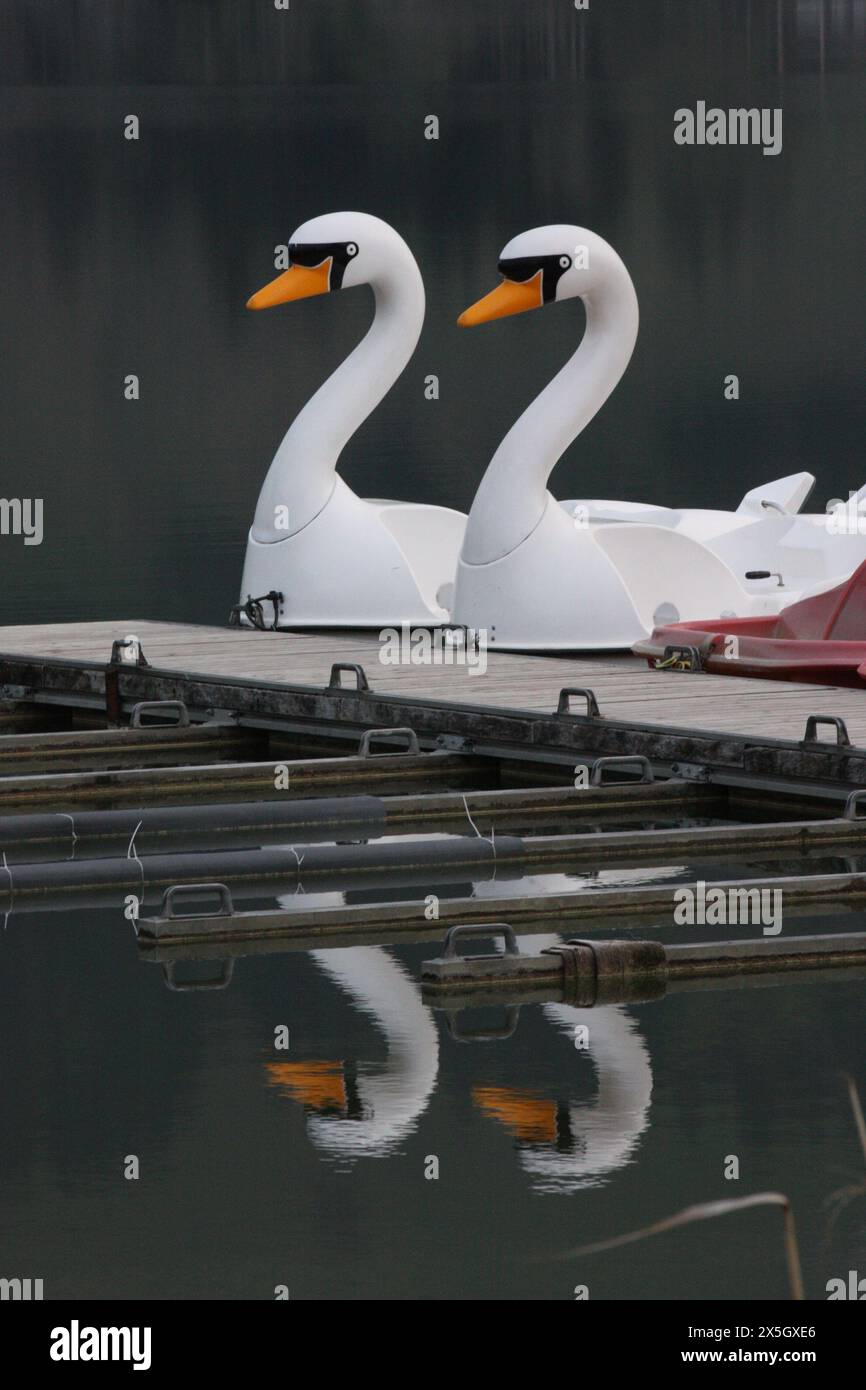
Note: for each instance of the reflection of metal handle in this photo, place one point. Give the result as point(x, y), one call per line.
point(564, 704)
point(186, 889)
point(485, 929)
point(159, 707)
point(188, 987)
point(627, 760)
point(512, 1018)
point(354, 669)
point(412, 745)
point(810, 736)
point(854, 800)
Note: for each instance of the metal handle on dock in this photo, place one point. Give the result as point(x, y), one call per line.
point(853, 801)
point(470, 1035)
point(221, 981)
point(810, 736)
point(490, 930)
point(160, 707)
point(126, 651)
point(627, 760)
point(564, 704)
point(412, 744)
point(354, 669)
point(226, 906)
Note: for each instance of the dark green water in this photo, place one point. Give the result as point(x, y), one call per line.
point(258, 1170)
point(122, 257)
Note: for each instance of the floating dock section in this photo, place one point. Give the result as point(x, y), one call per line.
point(224, 777)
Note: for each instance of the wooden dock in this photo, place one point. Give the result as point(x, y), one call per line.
point(625, 687)
point(245, 765)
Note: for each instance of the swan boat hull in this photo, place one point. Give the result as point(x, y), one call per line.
point(600, 585)
point(360, 563)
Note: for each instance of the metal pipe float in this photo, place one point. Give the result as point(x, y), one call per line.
point(262, 872)
point(88, 832)
point(449, 859)
point(551, 853)
point(329, 818)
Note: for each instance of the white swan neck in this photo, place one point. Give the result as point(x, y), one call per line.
point(302, 475)
point(512, 497)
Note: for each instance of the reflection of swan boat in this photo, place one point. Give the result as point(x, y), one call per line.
point(594, 575)
point(352, 1112)
point(565, 1146)
point(355, 1113)
point(367, 1111)
point(537, 885)
point(336, 558)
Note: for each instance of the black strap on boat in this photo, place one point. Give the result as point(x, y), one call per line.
point(685, 658)
point(252, 610)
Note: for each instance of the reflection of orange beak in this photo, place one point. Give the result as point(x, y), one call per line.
point(317, 1084)
point(511, 297)
point(298, 282)
point(527, 1116)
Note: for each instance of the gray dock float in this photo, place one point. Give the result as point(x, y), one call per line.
point(383, 922)
point(592, 972)
point(302, 763)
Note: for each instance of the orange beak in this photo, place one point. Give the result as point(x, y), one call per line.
point(523, 1113)
point(298, 282)
point(319, 1085)
point(510, 297)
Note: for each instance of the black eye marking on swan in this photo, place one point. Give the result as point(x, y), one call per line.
point(313, 253)
point(522, 268)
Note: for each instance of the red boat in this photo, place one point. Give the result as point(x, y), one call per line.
point(820, 639)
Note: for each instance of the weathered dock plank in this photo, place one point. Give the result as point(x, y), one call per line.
point(625, 687)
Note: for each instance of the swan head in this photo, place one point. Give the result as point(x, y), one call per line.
point(334, 252)
point(545, 265)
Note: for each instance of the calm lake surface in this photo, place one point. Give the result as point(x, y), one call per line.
point(306, 1168)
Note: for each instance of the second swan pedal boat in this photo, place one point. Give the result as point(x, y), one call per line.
point(538, 574)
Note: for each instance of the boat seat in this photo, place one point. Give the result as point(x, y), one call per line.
point(430, 539)
point(788, 545)
point(837, 615)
